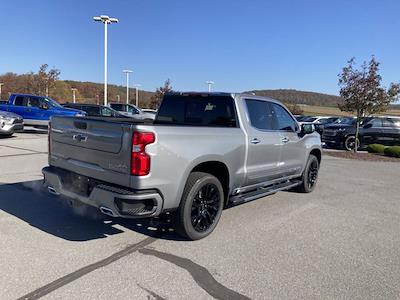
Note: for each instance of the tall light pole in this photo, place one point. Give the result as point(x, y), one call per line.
point(106, 20)
point(1, 84)
point(210, 83)
point(127, 72)
point(137, 93)
point(73, 94)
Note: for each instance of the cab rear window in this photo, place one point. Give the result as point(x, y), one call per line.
point(197, 110)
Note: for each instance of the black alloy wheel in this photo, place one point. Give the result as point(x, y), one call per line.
point(310, 175)
point(205, 207)
point(201, 206)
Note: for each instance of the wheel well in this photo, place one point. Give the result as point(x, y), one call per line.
point(316, 153)
point(219, 170)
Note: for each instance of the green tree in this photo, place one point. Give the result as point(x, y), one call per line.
point(363, 93)
point(159, 94)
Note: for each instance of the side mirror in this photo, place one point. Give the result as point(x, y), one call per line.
point(44, 106)
point(366, 126)
point(307, 128)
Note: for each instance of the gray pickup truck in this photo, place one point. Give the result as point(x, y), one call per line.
point(202, 152)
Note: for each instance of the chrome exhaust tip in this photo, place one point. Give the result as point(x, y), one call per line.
point(107, 211)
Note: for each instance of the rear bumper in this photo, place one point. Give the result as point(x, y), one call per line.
point(110, 199)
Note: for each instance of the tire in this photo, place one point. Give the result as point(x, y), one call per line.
point(198, 215)
point(310, 175)
point(8, 135)
point(349, 143)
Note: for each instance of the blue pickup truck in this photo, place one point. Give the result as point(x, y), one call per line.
point(37, 110)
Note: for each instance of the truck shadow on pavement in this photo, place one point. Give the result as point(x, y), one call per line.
point(29, 202)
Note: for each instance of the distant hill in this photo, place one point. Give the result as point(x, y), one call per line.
point(300, 97)
point(88, 92)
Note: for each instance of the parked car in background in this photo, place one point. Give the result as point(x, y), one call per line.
point(318, 122)
point(317, 119)
point(10, 123)
point(203, 151)
point(132, 111)
point(95, 110)
point(37, 110)
point(344, 120)
point(150, 111)
point(373, 130)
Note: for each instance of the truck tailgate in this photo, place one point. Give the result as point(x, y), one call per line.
point(93, 148)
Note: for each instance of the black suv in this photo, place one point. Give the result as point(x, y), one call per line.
point(379, 130)
point(95, 110)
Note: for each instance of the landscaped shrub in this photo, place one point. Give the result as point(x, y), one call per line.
point(376, 148)
point(393, 151)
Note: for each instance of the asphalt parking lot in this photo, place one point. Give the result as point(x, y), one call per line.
point(342, 241)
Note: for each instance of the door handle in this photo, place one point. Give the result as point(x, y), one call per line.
point(255, 141)
point(285, 140)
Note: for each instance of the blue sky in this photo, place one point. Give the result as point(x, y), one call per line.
point(241, 45)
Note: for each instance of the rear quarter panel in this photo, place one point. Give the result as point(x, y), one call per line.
point(177, 150)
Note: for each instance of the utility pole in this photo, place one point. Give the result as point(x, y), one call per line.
point(127, 72)
point(137, 93)
point(118, 98)
point(73, 94)
point(210, 83)
point(106, 20)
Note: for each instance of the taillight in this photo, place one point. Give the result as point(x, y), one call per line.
point(140, 160)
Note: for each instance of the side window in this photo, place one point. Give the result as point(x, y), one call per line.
point(21, 101)
point(375, 123)
point(106, 112)
point(133, 110)
point(260, 114)
point(34, 102)
point(44, 104)
point(396, 123)
point(391, 122)
point(283, 120)
point(92, 111)
point(118, 107)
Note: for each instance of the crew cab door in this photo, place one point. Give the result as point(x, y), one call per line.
point(372, 132)
point(32, 109)
point(264, 143)
point(292, 152)
point(19, 104)
point(391, 131)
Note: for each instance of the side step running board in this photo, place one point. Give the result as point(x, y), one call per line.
point(264, 191)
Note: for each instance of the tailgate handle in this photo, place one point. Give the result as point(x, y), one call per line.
point(80, 125)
